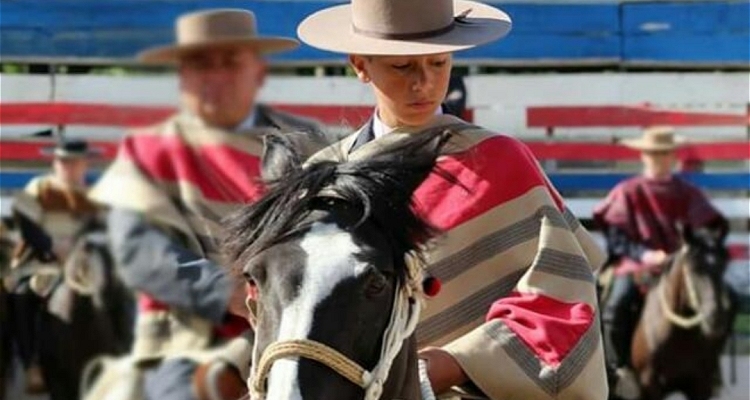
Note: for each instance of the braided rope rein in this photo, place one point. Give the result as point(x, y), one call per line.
point(76, 272)
point(405, 313)
point(312, 350)
point(693, 302)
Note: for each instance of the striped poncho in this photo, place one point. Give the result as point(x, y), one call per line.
point(184, 177)
point(518, 308)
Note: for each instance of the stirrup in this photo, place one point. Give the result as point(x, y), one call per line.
point(34, 378)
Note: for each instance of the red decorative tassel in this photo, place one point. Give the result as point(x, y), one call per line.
point(431, 286)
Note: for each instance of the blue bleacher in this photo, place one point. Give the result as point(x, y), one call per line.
point(729, 181)
point(643, 32)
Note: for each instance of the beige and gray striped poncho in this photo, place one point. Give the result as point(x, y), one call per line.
point(184, 177)
point(518, 306)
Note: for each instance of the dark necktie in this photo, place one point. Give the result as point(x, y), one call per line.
point(366, 135)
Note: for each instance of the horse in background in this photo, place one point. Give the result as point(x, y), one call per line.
point(87, 311)
point(687, 317)
point(334, 245)
point(6, 345)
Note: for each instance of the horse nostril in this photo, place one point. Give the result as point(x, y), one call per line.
point(254, 273)
point(251, 289)
point(248, 277)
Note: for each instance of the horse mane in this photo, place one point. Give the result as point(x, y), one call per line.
point(380, 188)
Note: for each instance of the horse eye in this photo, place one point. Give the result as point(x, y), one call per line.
point(254, 274)
point(376, 285)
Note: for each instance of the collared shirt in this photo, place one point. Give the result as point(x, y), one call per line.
point(249, 122)
point(379, 128)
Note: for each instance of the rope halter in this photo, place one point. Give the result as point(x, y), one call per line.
point(403, 321)
point(693, 301)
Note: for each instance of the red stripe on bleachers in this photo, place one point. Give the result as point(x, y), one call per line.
point(739, 252)
point(130, 115)
point(26, 150)
point(21, 150)
point(580, 151)
point(82, 114)
point(625, 116)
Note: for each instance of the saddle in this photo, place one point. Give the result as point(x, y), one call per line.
point(220, 374)
point(644, 279)
point(218, 380)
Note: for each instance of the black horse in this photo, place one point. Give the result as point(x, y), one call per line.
point(336, 245)
point(686, 320)
point(6, 345)
point(86, 313)
point(6, 348)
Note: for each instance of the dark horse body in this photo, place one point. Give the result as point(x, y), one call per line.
point(686, 320)
point(6, 345)
point(326, 248)
point(87, 313)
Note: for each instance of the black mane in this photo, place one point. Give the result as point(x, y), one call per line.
point(380, 187)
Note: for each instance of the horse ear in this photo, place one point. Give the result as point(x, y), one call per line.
point(280, 157)
point(285, 152)
point(687, 233)
point(722, 231)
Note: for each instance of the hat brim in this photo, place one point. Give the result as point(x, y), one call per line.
point(331, 29)
point(642, 145)
point(60, 153)
point(170, 54)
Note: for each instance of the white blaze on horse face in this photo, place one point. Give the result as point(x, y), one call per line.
point(330, 260)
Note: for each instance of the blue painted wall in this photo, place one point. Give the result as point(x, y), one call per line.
point(690, 32)
point(730, 181)
point(694, 32)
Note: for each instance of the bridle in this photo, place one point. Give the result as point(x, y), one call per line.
point(403, 321)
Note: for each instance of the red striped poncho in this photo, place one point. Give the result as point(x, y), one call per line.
point(518, 308)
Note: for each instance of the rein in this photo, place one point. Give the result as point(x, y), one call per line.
point(75, 272)
point(44, 277)
point(403, 321)
point(693, 302)
point(312, 350)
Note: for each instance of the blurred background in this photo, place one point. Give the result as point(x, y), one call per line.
point(572, 79)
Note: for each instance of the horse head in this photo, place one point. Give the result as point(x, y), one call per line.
point(332, 251)
point(89, 268)
point(697, 281)
point(706, 250)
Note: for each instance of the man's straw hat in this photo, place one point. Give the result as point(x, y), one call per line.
point(215, 28)
point(658, 138)
point(68, 149)
point(404, 27)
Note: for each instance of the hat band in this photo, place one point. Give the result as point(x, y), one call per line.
point(404, 36)
point(458, 19)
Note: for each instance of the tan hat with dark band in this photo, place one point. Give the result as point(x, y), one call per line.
point(404, 27)
point(215, 28)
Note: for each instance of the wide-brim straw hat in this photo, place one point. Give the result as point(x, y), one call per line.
point(71, 149)
point(215, 29)
point(404, 27)
point(658, 138)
